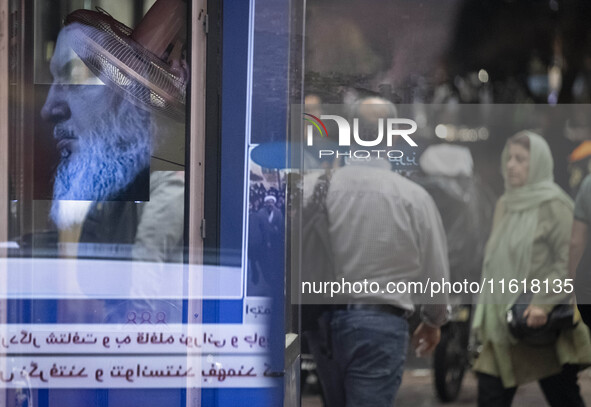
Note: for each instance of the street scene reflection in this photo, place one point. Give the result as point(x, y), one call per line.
point(502, 153)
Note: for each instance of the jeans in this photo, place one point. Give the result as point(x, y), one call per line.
point(360, 357)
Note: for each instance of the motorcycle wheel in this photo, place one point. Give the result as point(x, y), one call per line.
point(450, 361)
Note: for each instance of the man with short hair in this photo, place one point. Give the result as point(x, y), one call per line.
point(385, 229)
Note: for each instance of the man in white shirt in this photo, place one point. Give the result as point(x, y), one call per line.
point(383, 229)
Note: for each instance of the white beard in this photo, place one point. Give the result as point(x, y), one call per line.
point(111, 153)
point(67, 214)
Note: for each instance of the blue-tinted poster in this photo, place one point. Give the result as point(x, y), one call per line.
point(100, 309)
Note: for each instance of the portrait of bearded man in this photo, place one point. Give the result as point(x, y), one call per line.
point(117, 196)
point(103, 184)
point(105, 141)
point(109, 200)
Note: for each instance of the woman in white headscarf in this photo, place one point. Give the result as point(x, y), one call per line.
point(529, 240)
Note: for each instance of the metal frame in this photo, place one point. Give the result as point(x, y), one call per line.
point(4, 201)
point(197, 130)
point(4, 49)
point(196, 161)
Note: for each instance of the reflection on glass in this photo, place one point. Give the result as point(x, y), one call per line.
point(110, 168)
point(266, 228)
point(109, 140)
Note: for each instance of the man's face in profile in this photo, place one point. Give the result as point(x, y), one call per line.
point(103, 140)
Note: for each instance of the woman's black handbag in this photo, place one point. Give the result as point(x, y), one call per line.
point(560, 318)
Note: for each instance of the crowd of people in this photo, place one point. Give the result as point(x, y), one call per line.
point(258, 192)
point(266, 230)
point(384, 227)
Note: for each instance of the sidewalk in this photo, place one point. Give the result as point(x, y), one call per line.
point(417, 390)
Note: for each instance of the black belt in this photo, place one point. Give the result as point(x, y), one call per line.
point(388, 309)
